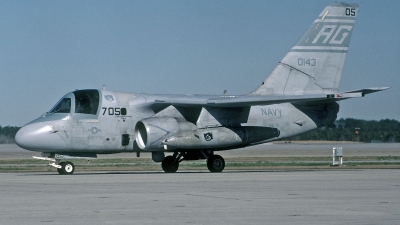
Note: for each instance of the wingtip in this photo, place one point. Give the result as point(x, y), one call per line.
point(381, 88)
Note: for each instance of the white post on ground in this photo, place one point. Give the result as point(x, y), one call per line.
point(333, 156)
point(337, 152)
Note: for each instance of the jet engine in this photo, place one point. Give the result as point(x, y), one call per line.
point(150, 132)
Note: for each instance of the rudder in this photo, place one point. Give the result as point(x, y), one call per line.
point(314, 64)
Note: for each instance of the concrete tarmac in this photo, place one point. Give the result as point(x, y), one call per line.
point(231, 197)
point(12, 151)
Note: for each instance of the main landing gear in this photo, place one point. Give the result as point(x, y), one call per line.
point(215, 163)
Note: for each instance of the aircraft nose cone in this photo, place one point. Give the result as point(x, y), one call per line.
point(39, 137)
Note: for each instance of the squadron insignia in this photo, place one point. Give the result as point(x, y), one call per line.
point(208, 136)
point(109, 98)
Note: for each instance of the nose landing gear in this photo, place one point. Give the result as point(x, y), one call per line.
point(63, 168)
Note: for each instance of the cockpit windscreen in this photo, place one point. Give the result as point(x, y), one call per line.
point(63, 106)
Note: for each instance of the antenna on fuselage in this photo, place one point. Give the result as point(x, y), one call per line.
point(104, 87)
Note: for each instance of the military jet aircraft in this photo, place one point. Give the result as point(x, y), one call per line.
point(298, 96)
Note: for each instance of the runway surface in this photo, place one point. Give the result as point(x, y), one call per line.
point(234, 197)
point(12, 151)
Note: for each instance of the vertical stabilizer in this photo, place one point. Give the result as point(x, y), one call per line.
point(315, 63)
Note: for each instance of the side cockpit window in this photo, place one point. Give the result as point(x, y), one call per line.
point(63, 106)
point(86, 101)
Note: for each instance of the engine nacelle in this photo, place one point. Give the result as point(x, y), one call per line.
point(150, 132)
point(220, 137)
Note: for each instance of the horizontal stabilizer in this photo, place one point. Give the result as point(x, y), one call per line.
point(367, 90)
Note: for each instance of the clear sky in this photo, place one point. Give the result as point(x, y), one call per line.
point(49, 48)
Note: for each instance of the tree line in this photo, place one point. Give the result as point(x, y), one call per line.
point(7, 134)
point(344, 130)
point(385, 130)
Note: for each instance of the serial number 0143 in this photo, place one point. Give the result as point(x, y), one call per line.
point(306, 62)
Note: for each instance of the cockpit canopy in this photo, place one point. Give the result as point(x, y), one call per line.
point(86, 102)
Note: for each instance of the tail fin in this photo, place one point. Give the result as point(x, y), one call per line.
point(314, 64)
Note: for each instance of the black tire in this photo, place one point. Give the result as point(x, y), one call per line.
point(60, 170)
point(67, 168)
point(215, 164)
point(168, 164)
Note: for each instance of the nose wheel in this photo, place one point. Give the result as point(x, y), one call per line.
point(67, 168)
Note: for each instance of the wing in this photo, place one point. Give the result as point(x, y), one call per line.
point(251, 100)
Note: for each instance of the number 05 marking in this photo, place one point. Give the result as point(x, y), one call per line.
point(350, 12)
